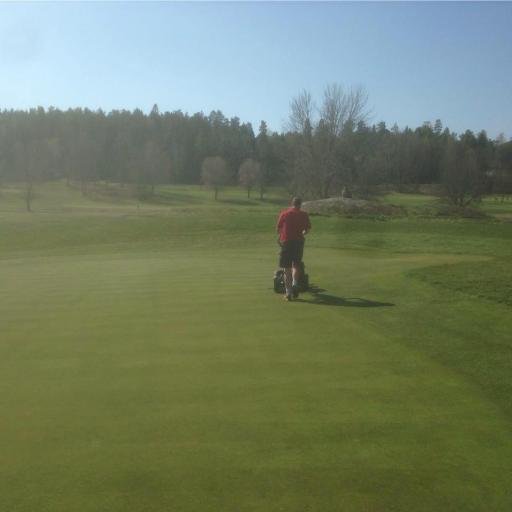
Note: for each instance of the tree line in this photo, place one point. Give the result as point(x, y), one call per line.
point(326, 149)
point(334, 150)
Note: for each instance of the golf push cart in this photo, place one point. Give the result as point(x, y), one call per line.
point(279, 280)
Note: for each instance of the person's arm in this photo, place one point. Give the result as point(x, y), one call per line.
point(279, 224)
point(307, 229)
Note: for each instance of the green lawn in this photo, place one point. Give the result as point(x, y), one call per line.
point(410, 201)
point(498, 206)
point(146, 364)
point(494, 206)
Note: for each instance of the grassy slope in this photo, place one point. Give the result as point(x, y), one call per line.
point(147, 365)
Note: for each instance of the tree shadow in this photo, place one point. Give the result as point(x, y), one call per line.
point(324, 299)
point(170, 198)
point(275, 200)
point(238, 202)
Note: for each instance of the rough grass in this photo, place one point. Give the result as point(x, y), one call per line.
point(499, 206)
point(352, 207)
point(411, 201)
point(487, 279)
point(496, 206)
point(146, 363)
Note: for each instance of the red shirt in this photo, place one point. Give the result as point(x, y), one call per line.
point(291, 223)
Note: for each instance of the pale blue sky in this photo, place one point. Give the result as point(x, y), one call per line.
point(418, 61)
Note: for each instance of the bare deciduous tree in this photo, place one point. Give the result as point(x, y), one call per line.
point(358, 111)
point(156, 164)
point(33, 157)
point(302, 110)
point(2, 169)
point(334, 109)
point(84, 160)
point(326, 141)
point(462, 179)
point(214, 173)
point(249, 174)
point(24, 161)
point(341, 109)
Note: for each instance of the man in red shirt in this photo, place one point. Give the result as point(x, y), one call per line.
point(292, 225)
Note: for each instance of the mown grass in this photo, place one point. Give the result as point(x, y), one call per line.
point(146, 363)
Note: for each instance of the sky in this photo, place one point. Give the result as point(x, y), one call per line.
point(417, 61)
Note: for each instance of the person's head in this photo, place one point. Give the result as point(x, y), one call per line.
point(296, 202)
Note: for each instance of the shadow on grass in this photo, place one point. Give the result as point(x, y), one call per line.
point(170, 198)
point(275, 200)
point(239, 202)
point(324, 299)
point(253, 201)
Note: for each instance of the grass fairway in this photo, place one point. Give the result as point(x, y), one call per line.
point(147, 365)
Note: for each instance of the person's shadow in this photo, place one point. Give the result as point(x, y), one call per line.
point(324, 299)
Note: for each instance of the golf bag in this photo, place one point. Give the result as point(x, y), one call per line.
point(279, 280)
